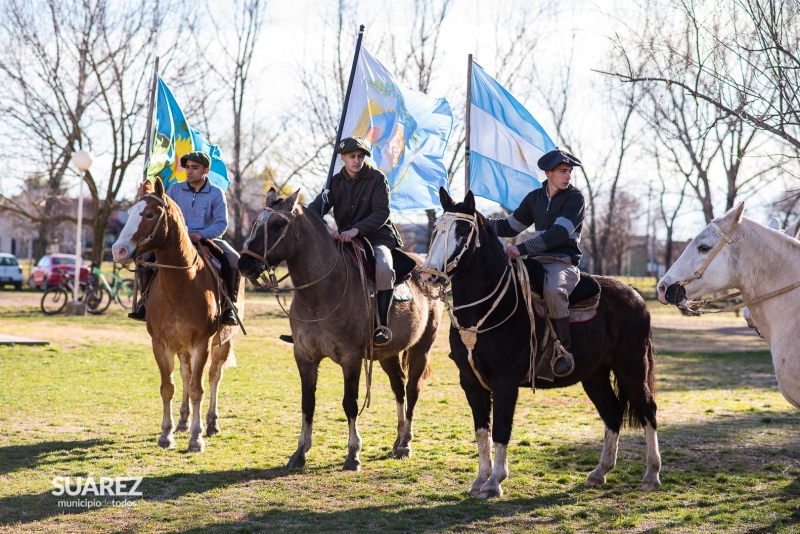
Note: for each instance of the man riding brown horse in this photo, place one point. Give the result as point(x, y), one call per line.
point(359, 194)
point(205, 211)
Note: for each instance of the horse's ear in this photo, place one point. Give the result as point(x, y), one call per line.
point(291, 200)
point(159, 188)
point(793, 229)
point(739, 210)
point(272, 196)
point(445, 198)
point(774, 223)
point(469, 201)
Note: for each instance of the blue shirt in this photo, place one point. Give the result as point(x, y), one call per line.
point(204, 211)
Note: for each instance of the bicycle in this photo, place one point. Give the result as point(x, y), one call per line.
point(100, 294)
point(55, 298)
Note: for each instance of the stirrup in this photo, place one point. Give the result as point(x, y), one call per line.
point(138, 314)
point(228, 318)
point(562, 354)
point(382, 336)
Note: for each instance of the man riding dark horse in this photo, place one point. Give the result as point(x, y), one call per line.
point(556, 211)
point(205, 212)
point(359, 194)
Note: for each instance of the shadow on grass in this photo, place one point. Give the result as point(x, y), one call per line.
point(16, 457)
point(682, 371)
point(40, 506)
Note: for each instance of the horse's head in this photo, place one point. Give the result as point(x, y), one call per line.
point(145, 228)
point(707, 265)
point(271, 240)
point(455, 233)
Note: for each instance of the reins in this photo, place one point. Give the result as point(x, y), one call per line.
point(517, 276)
point(269, 279)
point(692, 306)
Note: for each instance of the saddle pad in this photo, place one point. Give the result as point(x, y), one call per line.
point(403, 293)
point(574, 316)
point(587, 286)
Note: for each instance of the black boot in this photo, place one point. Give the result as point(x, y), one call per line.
point(232, 287)
point(286, 337)
point(145, 275)
point(563, 365)
point(382, 334)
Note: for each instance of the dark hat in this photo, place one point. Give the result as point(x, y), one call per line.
point(198, 157)
point(554, 158)
point(352, 144)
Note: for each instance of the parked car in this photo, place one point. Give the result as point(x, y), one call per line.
point(50, 270)
point(10, 271)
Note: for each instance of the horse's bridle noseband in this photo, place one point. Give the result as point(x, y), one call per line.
point(443, 225)
point(260, 222)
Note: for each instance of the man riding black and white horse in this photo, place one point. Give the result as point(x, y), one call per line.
point(556, 210)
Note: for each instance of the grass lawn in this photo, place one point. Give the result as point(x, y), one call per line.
point(88, 404)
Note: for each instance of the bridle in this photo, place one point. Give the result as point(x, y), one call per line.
point(152, 235)
point(693, 305)
point(268, 277)
point(518, 273)
point(443, 226)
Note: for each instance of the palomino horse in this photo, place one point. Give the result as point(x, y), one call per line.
point(331, 316)
point(466, 250)
point(182, 310)
point(736, 252)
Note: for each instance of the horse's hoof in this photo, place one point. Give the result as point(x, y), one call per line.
point(166, 442)
point(296, 462)
point(352, 465)
point(401, 452)
point(489, 492)
point(212, 429)
point(595, 480)
point(183, 426)
point(197, 446)
point(650, 485)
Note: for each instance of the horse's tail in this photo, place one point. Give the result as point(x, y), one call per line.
point(630, 418)
point(426, 373)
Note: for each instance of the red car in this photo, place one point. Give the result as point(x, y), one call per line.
point(50, 270)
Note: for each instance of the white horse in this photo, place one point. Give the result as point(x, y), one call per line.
point(736, 252)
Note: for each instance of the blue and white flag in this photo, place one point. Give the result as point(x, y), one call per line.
point(173, 138)
point(406, 130)
point(505, 144)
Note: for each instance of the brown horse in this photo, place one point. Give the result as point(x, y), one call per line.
point(331, 316)
point(182, 310)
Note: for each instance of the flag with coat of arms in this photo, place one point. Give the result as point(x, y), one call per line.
point(407, 132)
point(173, 138)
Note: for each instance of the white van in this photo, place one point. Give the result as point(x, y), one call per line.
point(10, 271)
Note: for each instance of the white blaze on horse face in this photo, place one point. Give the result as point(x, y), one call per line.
point(122, 247)
point(443, 247)
point(718, 275)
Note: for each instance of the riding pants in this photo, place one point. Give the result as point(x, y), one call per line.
point(231, 255)
point(384, 268)
point(560, 279)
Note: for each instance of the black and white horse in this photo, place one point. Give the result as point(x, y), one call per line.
point(618, 340)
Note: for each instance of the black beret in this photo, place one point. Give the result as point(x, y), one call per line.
point(554, 158)
point(352, 144)
point(198, 157)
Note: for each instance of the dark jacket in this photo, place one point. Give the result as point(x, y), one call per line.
point(361, 203)
point(558, 222)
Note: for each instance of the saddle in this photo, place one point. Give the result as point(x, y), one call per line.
point(583, 300)
point(404, 264)
point(224, 268)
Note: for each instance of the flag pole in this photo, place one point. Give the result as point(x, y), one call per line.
point(341, 119)
point(466, 144)
point(148, 139)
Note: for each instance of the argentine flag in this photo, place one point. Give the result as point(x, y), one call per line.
point(505, 143)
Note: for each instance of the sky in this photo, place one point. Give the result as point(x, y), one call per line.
point(292, 37)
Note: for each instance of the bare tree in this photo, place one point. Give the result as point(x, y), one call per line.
point(249, 141)
point(86, 87)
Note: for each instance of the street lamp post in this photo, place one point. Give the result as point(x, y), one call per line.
point(82, 161)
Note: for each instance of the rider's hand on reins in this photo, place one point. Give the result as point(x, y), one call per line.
point(512, 252)
point(349, 235)
point(333, 233)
